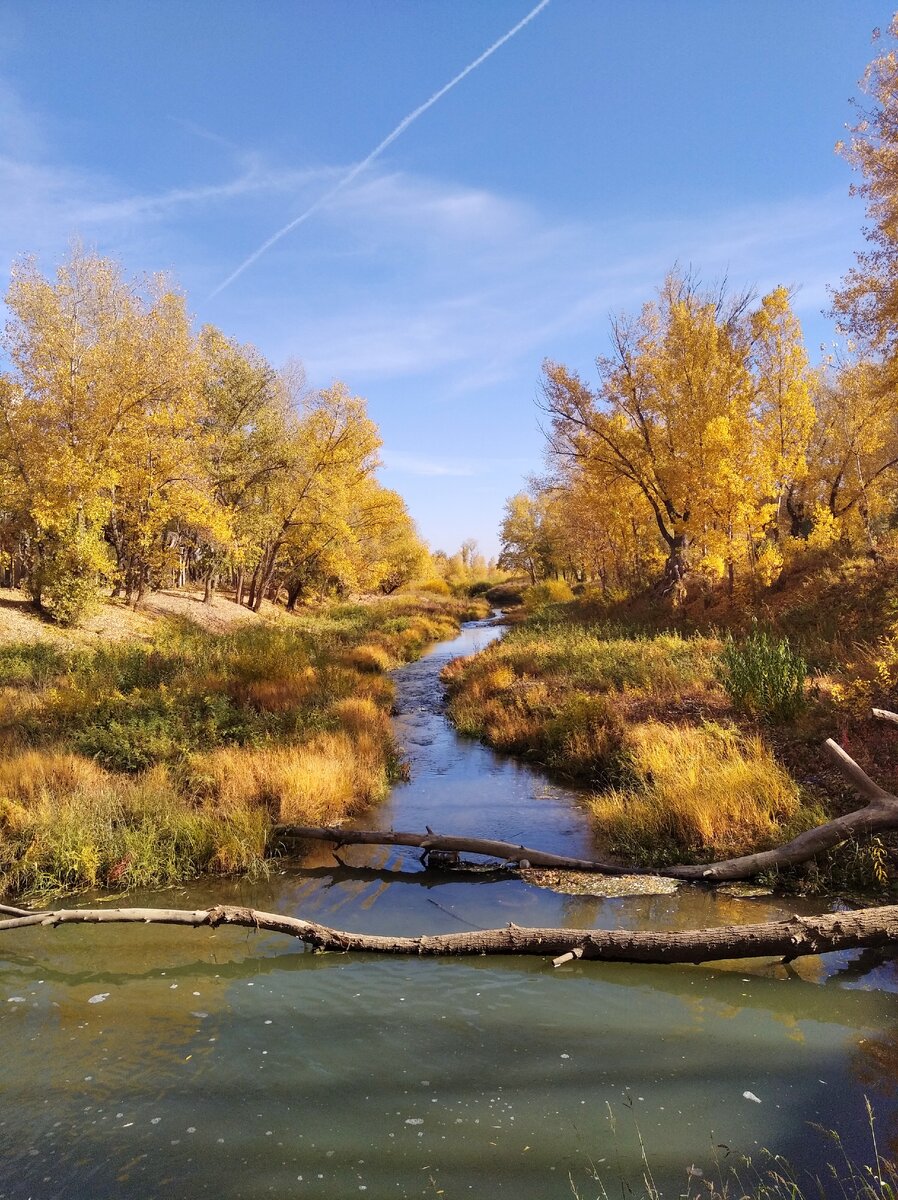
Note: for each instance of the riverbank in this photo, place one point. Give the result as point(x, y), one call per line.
point(183, 1043)
point(681, 767)
point(171, 750)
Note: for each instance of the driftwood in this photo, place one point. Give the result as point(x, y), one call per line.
point(430, 841)
point(879, 815)
point(787, 939)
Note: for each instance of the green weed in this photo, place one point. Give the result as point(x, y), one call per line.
point(763, 675)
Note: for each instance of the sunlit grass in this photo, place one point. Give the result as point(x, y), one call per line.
point(563, 693)
point(143, 764)
point(705, 790)
point(67, 824)
point(643, 719)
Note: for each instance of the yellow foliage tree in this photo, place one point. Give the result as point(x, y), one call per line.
point(97, 362)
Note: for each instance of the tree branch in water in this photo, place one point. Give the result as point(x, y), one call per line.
point(787, 939)
point(879, 815)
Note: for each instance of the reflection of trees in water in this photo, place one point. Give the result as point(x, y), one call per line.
point(581, 912)
point(875, 1066)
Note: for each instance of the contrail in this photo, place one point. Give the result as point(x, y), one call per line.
point(378, 150)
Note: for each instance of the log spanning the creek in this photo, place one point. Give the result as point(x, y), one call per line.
point(445, 844)
point(788, 939)
point(879, 815)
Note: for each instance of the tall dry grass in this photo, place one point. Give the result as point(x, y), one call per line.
point(563, 694)
point(142, 764)
point(66, 823)
point(701, 791)
point(641, 717)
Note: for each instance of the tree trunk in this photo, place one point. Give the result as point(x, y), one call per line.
point(429, 842)
point(143, 579)
point(294, 591)
point(672, 584)
point(253, 584)
point(787, 939)
point(238, 591)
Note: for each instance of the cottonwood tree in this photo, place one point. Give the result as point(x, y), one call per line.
point(523, 536)
point(867, 301)
point(96, 362)
point(135, 451)
point(674, 400)
point(331, 445)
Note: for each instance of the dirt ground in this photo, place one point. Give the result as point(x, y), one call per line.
point(115, 621)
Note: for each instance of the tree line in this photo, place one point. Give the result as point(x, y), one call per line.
point(709, 444)
point(136, 453)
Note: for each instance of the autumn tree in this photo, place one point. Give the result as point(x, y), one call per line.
point(99, 370)
point(133, 450)
point(523, 537)
point(867, 302)
point(247, 427)
point(784, 409)
point(696, 438)
point(674, 399)
point(331, 446)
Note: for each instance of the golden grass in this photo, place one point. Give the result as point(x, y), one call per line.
point(192, 747)
point(65, 823)
point(316, 782)
point(368, 657)
point(700, 790)
point(563, 694)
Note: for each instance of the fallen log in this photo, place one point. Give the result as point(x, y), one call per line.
point(429, 841)
point(879, 815)
point(788, 939)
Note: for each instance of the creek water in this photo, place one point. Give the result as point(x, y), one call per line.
point(150, 1061)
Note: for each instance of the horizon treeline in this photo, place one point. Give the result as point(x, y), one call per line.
point(709, 445)
point(136, 454)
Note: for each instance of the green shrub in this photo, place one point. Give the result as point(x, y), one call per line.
point(30, 664)
point(67, 578)
point(763, 675)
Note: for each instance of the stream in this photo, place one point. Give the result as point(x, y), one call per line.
point(142, 1062)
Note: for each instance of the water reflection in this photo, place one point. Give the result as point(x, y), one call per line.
point(234, 1062)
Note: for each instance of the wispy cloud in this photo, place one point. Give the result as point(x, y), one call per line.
point(409, 277)
point(255, 182)
point(378, 150)
point(473, 286)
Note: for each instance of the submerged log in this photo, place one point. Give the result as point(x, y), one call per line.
point(879, 815)
point(786, 939)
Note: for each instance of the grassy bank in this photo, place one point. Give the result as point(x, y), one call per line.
point(147, 762)
point(678, 770)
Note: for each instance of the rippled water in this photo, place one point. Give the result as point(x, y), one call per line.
point(142, 1061)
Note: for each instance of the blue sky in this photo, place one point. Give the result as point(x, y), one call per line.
point(552, 186)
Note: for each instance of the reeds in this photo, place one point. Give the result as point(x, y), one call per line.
point(705, 790)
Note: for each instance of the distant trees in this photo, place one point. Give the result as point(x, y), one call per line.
point(136, 453)
point(464, 571)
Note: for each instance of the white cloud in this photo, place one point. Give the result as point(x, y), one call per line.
point(472, 285)
point(403, 277)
